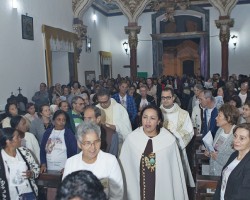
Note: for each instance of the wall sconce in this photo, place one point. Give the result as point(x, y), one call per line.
point(234, 40)
point(94, 17)
point(88, 44)
point(125, 46)
point(14, 4)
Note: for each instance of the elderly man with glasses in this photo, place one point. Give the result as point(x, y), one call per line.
point(75, 114)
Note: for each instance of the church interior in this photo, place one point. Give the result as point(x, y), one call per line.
point(62, 41)
point(40, 40)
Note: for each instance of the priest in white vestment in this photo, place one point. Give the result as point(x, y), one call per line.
point(178, 122)
point(160, 170)
point(116, 115)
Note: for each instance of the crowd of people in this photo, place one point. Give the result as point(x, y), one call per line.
point(130, 136)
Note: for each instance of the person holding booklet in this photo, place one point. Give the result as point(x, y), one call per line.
point(221, 148)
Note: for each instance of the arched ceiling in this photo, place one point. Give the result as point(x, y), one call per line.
point(109, 8)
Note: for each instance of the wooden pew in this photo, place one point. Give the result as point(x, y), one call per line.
point(48, 183)
point(203, 183)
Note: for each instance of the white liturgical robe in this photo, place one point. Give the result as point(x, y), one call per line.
point(179, 123)
point(169, 176)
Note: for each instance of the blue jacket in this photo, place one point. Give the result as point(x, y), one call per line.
point(212, 127)
point(131, 106)
point(70, 142)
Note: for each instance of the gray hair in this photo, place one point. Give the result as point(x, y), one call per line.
point(199, 87)
point(74, 99)
point(85, 127)
point(208, 95)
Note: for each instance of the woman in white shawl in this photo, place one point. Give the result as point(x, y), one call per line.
point(151, 161)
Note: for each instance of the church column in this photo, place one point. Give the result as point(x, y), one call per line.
point(132, 9)
point(81, 31)
point(224, 24)
point(79, 7)
point(132, 30)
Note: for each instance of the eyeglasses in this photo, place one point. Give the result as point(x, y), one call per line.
point(166, 98)
point(88, 144)
point(80, 104)
point(104, 102)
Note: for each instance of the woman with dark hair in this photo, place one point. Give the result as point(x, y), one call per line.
point(58, 144)
point(29, 141)
point(234, 183)
point(235, 101)
point(64, 105)
point(152, 89)
point(18, 168)
point(151, 161)
point(10, 111)
point(75, 88)
point(226, 120)
point(81, 185)
point(41, 124)
point(31, 112)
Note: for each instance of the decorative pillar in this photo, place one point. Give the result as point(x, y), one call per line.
point(79, 7)
point(224, 24)
point(132, 9)
point(132, 30)
point(81, 31)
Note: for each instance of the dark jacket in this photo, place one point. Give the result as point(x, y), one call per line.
point(110, 140)
point(149, 98)
point(247, 99)
point(70, 142)
point(238, 184)
point(212, 124)
point(131, 107)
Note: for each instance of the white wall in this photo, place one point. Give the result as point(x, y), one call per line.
point(99, 32)
point(22, 61)
point(240, 58)
point(144, 48)
point(60, 69)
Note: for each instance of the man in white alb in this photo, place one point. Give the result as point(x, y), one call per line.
point(177, 121)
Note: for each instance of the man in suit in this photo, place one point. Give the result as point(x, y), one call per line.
point(126, 101)
point(210, 113)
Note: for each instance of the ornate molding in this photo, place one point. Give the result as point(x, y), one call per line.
point(132, 9)
point(81, 31)
point(170, 6)
point(224, 25)
point(132, 32)
point(80, 6)
point(224, 6)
